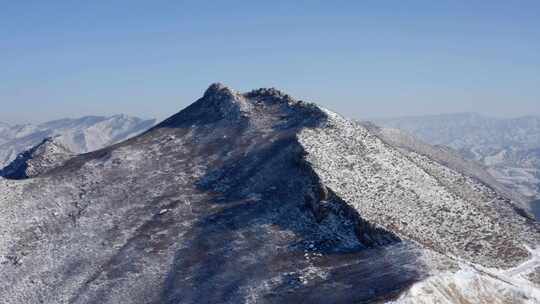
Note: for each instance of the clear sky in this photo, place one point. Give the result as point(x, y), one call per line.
point(361, 58)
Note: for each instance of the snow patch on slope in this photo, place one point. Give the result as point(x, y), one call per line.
point(477, 284)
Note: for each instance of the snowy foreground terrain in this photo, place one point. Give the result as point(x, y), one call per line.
point(508, 148)
point(261, 198)
point(78, 135)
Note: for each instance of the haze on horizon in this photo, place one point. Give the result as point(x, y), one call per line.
point(150, 59)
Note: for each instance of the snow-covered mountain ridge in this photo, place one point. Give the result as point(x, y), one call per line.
point(259, 198)
point(38, 160)
point(79, 135)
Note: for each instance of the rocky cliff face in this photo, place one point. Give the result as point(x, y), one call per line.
point(258, 198)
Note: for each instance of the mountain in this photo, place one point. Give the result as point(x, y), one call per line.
point(508, 148)
point(260, 198)
point(38, 160)
point(79, 135)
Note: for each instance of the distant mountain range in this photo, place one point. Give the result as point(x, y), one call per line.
point(258, 197)
point(509, 148)
point(79, 135)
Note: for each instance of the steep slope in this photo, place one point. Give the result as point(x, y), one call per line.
point(254, 198)
point(418, 197)
point(509, 148)
point(39, 160)
point(80, 135)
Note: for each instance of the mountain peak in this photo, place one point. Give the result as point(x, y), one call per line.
point(269, 94)
point(264, 106)
point(272, 94)
point(218, 89)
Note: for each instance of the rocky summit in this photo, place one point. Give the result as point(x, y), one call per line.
point(261, 198)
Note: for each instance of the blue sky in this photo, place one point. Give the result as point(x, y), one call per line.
point(361, 58)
